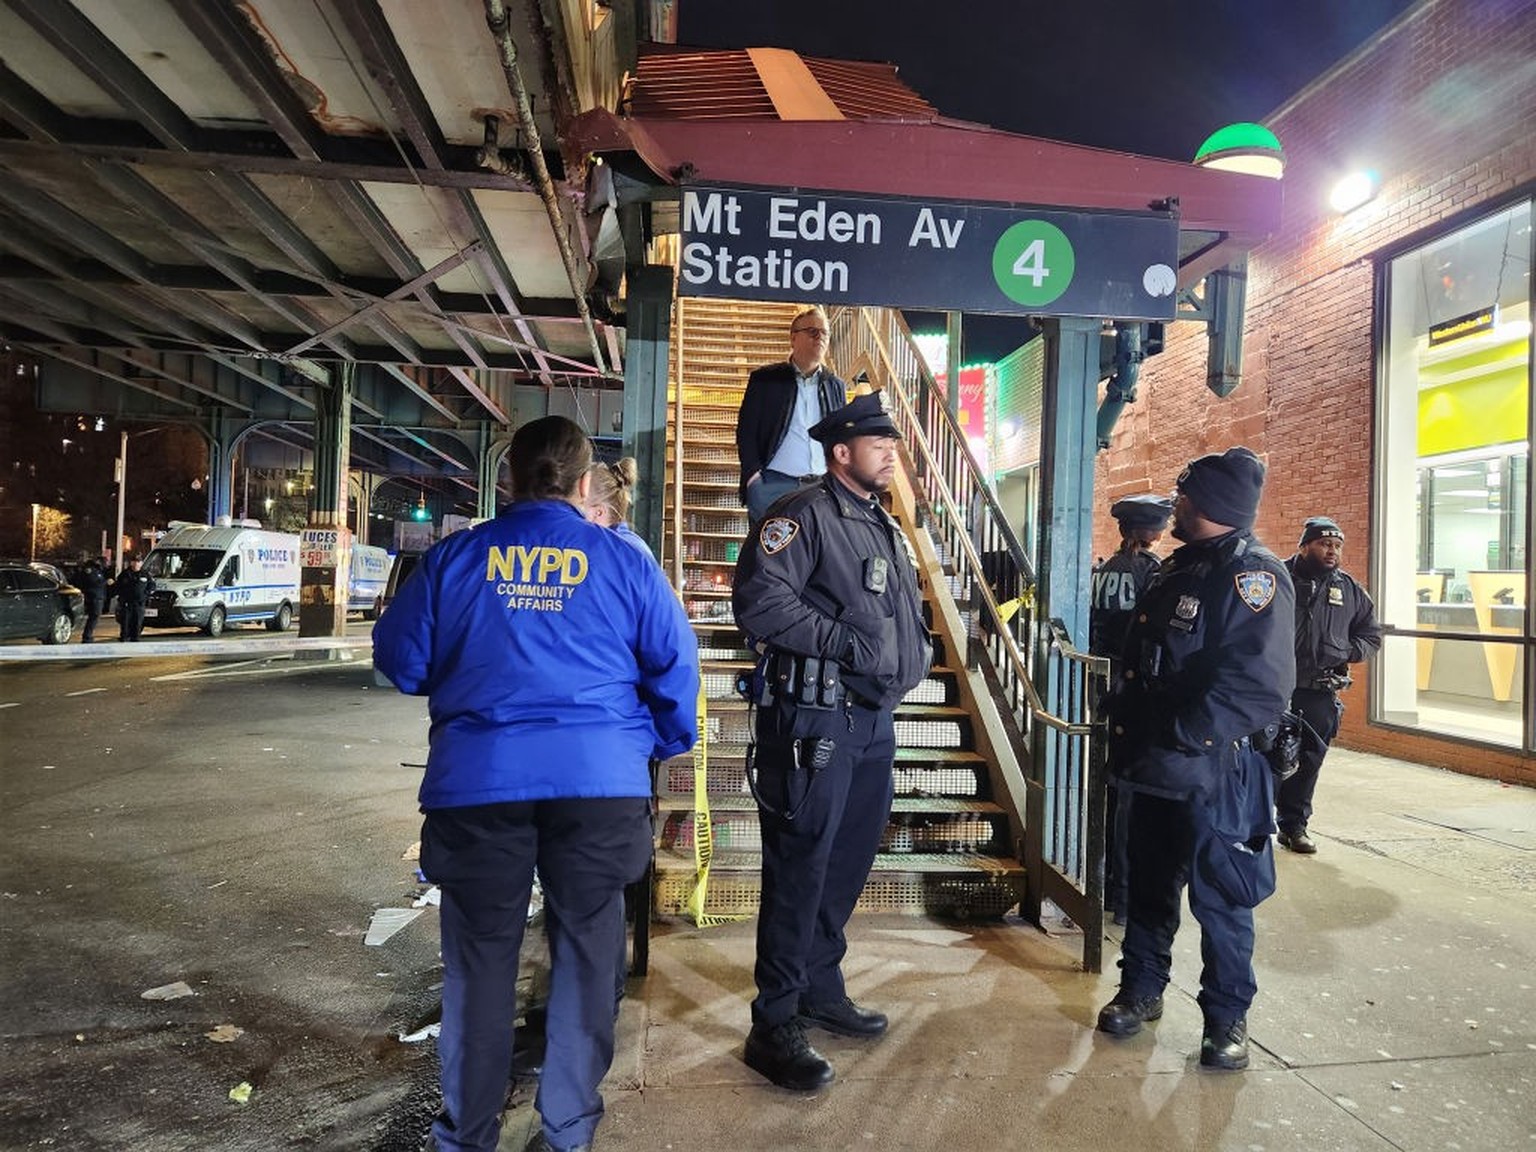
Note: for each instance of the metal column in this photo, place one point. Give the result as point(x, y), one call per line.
point(323, 590)
point(648, 328)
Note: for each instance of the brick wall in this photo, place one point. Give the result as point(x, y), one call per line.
point(1442, 104)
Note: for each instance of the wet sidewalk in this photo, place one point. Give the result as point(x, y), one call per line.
point(1396, 1010)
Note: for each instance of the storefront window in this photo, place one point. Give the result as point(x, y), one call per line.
point(1453, 484)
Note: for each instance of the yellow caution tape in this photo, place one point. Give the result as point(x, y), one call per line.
point(1007, 611)
point(703, 828)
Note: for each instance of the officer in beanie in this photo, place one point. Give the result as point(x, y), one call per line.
point(827, 592)
point(1117, 585)
point(1335, 627)
point(1208, 666)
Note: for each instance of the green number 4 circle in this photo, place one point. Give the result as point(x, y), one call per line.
point(1033, 263)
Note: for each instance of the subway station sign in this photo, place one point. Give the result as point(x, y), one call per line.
point(830, 248)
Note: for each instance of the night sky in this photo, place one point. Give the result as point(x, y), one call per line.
point(1149, 76)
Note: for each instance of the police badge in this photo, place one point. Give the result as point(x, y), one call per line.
point(776, 534)
point(1187, 608)
point(1256, 589)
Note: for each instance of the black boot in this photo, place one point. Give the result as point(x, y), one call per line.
point(1124, 1015)
point(782, 1053)
point(1225, 1045)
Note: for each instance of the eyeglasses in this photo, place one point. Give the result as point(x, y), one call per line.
point(814, 333)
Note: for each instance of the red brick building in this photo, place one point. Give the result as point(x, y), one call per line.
point(1386, 374)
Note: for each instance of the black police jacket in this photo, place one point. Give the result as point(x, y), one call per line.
point(132, 587)
point(1208, 661)
point(829, 574)
point(766, 408)
point(1335, 622)
point(1117, 586)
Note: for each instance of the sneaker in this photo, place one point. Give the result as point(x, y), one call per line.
point(1125, 1014)
point(1225, 1045)
point(782, 1054)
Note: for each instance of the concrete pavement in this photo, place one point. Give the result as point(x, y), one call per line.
point(236, 825)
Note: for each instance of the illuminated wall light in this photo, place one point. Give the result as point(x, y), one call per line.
point(1353, 191)
point(1244, 147)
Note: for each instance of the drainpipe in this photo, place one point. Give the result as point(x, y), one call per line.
point(1121, 389)
point(496, 17)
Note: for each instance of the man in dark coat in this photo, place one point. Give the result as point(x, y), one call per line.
point(781, 403)
point(1335, 627)
point(1208, 666)
point(93, 584)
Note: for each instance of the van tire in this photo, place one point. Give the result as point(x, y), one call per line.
point(283, 619)
point(215, 625)
point(373, 613)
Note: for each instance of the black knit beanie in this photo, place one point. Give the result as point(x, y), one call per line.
point(1225, 486)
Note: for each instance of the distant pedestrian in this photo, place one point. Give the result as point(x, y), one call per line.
point(1335, 627)
point(93, 585)
point(609, 497)
point(131, 589)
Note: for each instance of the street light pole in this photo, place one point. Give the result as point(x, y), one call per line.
point(33, 554)
point(120, 474)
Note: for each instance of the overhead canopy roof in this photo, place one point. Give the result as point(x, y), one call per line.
point(205, 204)
point(771, 118)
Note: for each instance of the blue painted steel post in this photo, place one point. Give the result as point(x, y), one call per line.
point(1067, 449)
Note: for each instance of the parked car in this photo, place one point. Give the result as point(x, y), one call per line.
point(37, 605)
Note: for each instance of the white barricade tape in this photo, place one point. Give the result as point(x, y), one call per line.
point(117, 649)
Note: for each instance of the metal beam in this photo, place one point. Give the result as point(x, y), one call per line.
point(84, 45)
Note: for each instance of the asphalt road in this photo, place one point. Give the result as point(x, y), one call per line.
point(231, 823)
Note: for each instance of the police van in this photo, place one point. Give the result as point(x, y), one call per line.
point(210, 575)
point(366, 582)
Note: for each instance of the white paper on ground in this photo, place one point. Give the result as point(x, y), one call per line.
point(430, 1032)
point(386, 922)
point(433, 896)
point(168, 992)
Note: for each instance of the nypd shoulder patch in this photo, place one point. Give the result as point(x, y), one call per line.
point(775, 534)
point(1256, 589)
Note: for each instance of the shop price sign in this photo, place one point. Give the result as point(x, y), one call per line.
point(831, 248)
point(319, 547)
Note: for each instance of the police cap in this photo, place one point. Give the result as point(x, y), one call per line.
point(862, 416)
point(1147, 511)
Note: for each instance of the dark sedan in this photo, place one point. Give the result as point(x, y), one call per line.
point(35, 605)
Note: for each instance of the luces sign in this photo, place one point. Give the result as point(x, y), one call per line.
point(762, 244)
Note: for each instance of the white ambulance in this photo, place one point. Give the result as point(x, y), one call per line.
point(207, 576)
point(365, 584)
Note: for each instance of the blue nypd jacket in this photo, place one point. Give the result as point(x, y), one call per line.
point(554, 655)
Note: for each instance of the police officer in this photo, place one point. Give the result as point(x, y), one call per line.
point(93, 584)
point(828, 591)
point(556, 661)
point(1117, 585)
point(1335, 627)
point(1208, 663)
point(132, 587)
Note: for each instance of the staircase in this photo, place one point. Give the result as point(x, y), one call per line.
point(948, 848)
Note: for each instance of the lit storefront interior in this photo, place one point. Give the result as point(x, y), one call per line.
point(1452, 518)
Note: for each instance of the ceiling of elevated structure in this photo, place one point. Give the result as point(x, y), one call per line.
point(208, 205)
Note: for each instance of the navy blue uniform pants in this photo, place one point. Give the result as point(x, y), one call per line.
point(1322, 711)
point(482, 858)
point(1172, 844)
point(130, 619)
point(815, 865)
